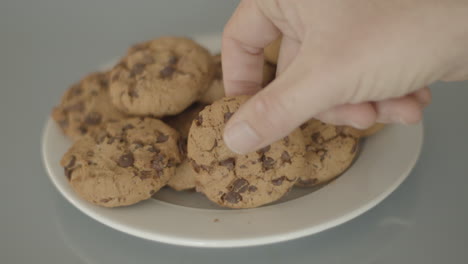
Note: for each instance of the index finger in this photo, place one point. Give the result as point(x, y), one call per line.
point(245, 35)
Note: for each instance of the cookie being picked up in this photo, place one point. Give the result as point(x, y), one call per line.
point(241, 181)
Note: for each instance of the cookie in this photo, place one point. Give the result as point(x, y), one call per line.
point(271, 52)
point(85, 106)
point(183, 121)
point(241, 181)
point(184, 178)
point(372, 130)
point(161, 77)
point(124, 163)
point(216, 89)
point(330, 150)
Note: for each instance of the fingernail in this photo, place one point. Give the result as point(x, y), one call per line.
point(357, 125)
point(241, 138)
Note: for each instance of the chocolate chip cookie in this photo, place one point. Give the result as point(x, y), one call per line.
point(372, 130)
point(184, 178)
point(85, 106)
point(241, 181)
point(124, 163)
point(216, 89)
point(161, 77)
point(330, 150)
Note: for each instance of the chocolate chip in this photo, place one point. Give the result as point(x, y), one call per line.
point(205, 168)
point(76, 90)
point(126, 160)
point(158, 163)
point(162, 138)
point(252, 188)
point(267, 162)
point(71, 163)
point(227, 116)
point(195, 166)
point(285, 158)
point(278, 181)
point(230, 163)
point(68, 173)
point(167, 72)
point(83, 130)
point(93, 118)
point(138, 144)
point(322, 153)
point(239, 185)
point(103, 82)
point(153, 149)
point(173, 60)
point(304, 126)
point(132, 92)
point(262, 151)
point(106, 200)
point(137, 69)
point(145, 175)
point(199, 120)
point(317, 138)
point(286, 141)
point(232, 197)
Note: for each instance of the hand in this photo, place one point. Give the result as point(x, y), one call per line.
point(344, 62)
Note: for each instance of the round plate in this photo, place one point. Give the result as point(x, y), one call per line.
point(187, 218)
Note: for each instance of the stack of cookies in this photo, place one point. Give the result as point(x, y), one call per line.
point(156, 119)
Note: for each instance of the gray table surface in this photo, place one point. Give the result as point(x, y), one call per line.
point(45, 45)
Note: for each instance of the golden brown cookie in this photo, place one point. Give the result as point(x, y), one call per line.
point(241, 181)
point(216, 89)
point(271, 51)
point(126, 162)
point(330, 150)
point(184, 178)
point(161, 77)
point(85, 106)
point(372, 130)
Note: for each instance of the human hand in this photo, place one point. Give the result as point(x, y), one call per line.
point(344, 62)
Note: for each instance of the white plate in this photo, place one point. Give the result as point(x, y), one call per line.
point(187, 218)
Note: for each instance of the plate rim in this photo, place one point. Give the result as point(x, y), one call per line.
point(230, 243)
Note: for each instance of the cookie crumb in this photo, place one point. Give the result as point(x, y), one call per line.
point(216, 220)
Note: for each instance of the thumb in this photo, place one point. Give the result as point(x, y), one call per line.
point(302, 91)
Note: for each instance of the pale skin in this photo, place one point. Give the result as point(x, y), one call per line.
point(345, 62)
